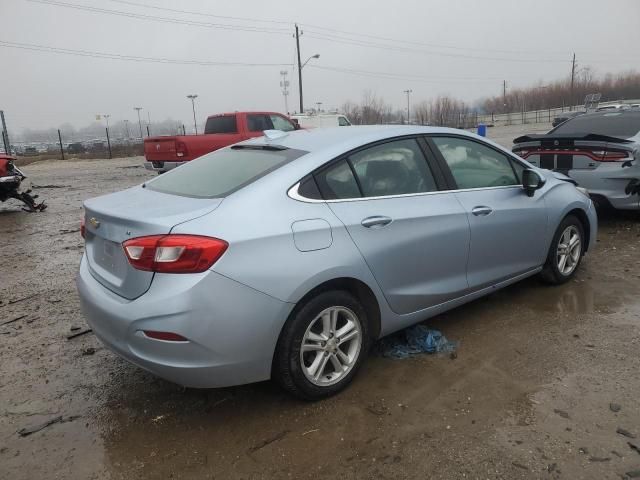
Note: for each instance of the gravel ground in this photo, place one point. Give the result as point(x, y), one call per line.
point(545, 383)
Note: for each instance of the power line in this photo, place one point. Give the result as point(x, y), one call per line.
point(400, 76)
point(421, 44)
point(155, 18)
point(368, 44)
point(132, 58)
point(202, 14)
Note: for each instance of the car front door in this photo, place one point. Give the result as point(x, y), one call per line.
point(413, 237)
point(508, 228)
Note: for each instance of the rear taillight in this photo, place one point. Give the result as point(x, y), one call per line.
point(611, 155)
point(82, 229)
point(181, 149)
point(598, 155)
point(174, 253)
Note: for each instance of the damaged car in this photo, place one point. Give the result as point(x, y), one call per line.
point(11, 178)
point(600, 151)
point(287, 256)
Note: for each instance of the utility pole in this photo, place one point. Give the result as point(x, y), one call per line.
point(408, 92)
point(284, 84)
point(299, 68)
point(504, 96)
point(5, 134)
point(193, 97)
point(137, 109)
point(573, 75)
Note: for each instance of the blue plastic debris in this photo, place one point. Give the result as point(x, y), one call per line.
point(413, 341)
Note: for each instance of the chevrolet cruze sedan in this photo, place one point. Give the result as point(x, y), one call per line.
point(286, 256)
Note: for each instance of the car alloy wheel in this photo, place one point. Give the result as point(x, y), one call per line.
point(331, 346)
point(569, 250)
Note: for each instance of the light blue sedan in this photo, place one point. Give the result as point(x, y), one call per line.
point(286, 256)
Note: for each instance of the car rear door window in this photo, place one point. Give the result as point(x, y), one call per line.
point(474, 165)
point(337, 182)
point(259, 122)
point(393, 168)
point(281, 123)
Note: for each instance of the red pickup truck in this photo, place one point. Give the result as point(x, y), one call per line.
point(167, 152)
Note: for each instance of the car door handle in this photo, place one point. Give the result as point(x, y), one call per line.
point(376, 221)
point(481, 211)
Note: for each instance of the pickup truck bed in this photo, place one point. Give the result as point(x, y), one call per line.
point(167, 152)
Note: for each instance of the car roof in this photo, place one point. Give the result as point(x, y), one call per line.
point(346, 138)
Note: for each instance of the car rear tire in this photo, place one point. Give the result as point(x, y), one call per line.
point(322, 345)
point(565, 252)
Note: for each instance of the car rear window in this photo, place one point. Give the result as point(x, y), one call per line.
point(221, 124)
point(222, 172)
point(613, 124)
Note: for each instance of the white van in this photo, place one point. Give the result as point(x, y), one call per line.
point(321, 120)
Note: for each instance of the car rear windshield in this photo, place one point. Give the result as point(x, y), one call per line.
point(221, 124)
point(614, 124)
point(222, 172)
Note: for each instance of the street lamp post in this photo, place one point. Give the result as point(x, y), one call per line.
point(300, 67)
point(137, 109)
point(408, 92)
point(193, 97)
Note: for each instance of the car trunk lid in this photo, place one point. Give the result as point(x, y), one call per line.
point(573, 152)
point(136, 212)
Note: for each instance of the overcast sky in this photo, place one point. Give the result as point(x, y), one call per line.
point(460, 47)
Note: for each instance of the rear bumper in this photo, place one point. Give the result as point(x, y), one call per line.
point(161, 166)
point(231, 329)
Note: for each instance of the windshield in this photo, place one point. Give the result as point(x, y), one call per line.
point(222, 172)
point(614, 124)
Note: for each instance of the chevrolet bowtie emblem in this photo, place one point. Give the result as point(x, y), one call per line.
point(94, 222)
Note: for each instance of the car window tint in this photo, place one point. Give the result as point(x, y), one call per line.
point(259, 123)
point(220, 173)
point(393, 168)
point(613, 123)
point(221, 124)
point(474, 165)
point(337, 182)
point(281, 123)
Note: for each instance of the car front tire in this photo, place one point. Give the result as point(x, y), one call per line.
point(565, 252)
point(322, 346)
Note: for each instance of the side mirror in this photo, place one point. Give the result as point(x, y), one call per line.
point(531, 181)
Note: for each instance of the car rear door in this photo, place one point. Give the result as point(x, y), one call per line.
point(413, 237)
point(508, 228)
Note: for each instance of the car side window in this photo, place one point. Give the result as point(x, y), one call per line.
point(259, 122)
point(474, 165)
point(393, 168)
point(337, 182)
point(281, 123)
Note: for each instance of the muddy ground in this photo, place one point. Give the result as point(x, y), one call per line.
point(543, 379)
